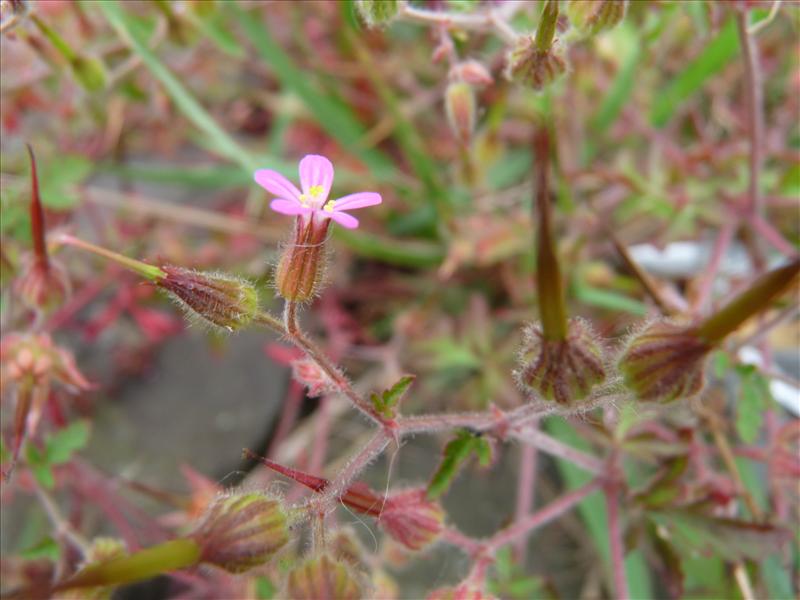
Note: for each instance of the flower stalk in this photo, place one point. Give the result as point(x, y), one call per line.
point(548, 272)
point(750, 302)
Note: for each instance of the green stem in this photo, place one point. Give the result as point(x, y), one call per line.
point(169, 556)
point(55, 39)
point(547, 25)
point(753, 300)
point(150, 272)
point(548, 272)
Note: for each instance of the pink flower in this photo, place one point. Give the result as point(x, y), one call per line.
point(312, 204)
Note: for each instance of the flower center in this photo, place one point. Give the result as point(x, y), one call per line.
point(312, 198)
point(329, 206)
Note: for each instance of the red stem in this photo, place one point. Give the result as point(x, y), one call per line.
point(616, 543)
point(543, 516)
point(37, 217)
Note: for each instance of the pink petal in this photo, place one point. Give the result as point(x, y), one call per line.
point(316, 170)
point(357, 200)
point(344, 219)
point(277, 184)
point(288, 207)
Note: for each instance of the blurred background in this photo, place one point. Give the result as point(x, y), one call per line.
point(149, 118)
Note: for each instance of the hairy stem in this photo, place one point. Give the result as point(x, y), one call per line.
point(552, 511)
point(296, 335)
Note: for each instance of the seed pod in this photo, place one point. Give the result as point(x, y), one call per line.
point(536, 68)
point(593, 16)
point(664, 362)
point(323, 578)
point(242, 531)
point(219, 299)
point(565, 371)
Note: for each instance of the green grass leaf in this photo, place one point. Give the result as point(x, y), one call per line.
point(224, 144)
point(718, 53)
point(333, 116)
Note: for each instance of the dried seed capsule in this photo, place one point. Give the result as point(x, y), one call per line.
point(565, 371)
point(664, 362)
point(534, 67)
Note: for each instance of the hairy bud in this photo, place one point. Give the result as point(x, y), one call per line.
point(302, 265)
point(323, 578)
point(377, 13)
point(664, 362)
point(472, 72)
point(219, 299)
point(307, 372)
point(411, 519)
point(593, 16)
point(242, 531)
point(459, 104)
point(565, 370)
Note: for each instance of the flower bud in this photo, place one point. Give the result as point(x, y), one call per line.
point(565, 370)
point(593, 16)
point(301, 267)
point(470, 71)
point(532, 66)
point(323, 578)
point(42, 285)
point(377, 12)
point(411, 519)
point(459, 103)
point(307, 372)
point(218, 298)
point(664, 362)
point(242, 531)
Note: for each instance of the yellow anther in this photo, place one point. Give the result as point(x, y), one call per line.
point(329, 206)
point(316, 190)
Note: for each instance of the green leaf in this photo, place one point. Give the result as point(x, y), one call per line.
point(754, 395)
point(40, 467)
point(456, 452)
point(387, 401)
point(126, 28)
point(58, 177)
point(664, 489)
point(265, 589)
point(60, 446)
point(45, 548)
point(391, 251)
point(718, 53)
point(730, 539)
